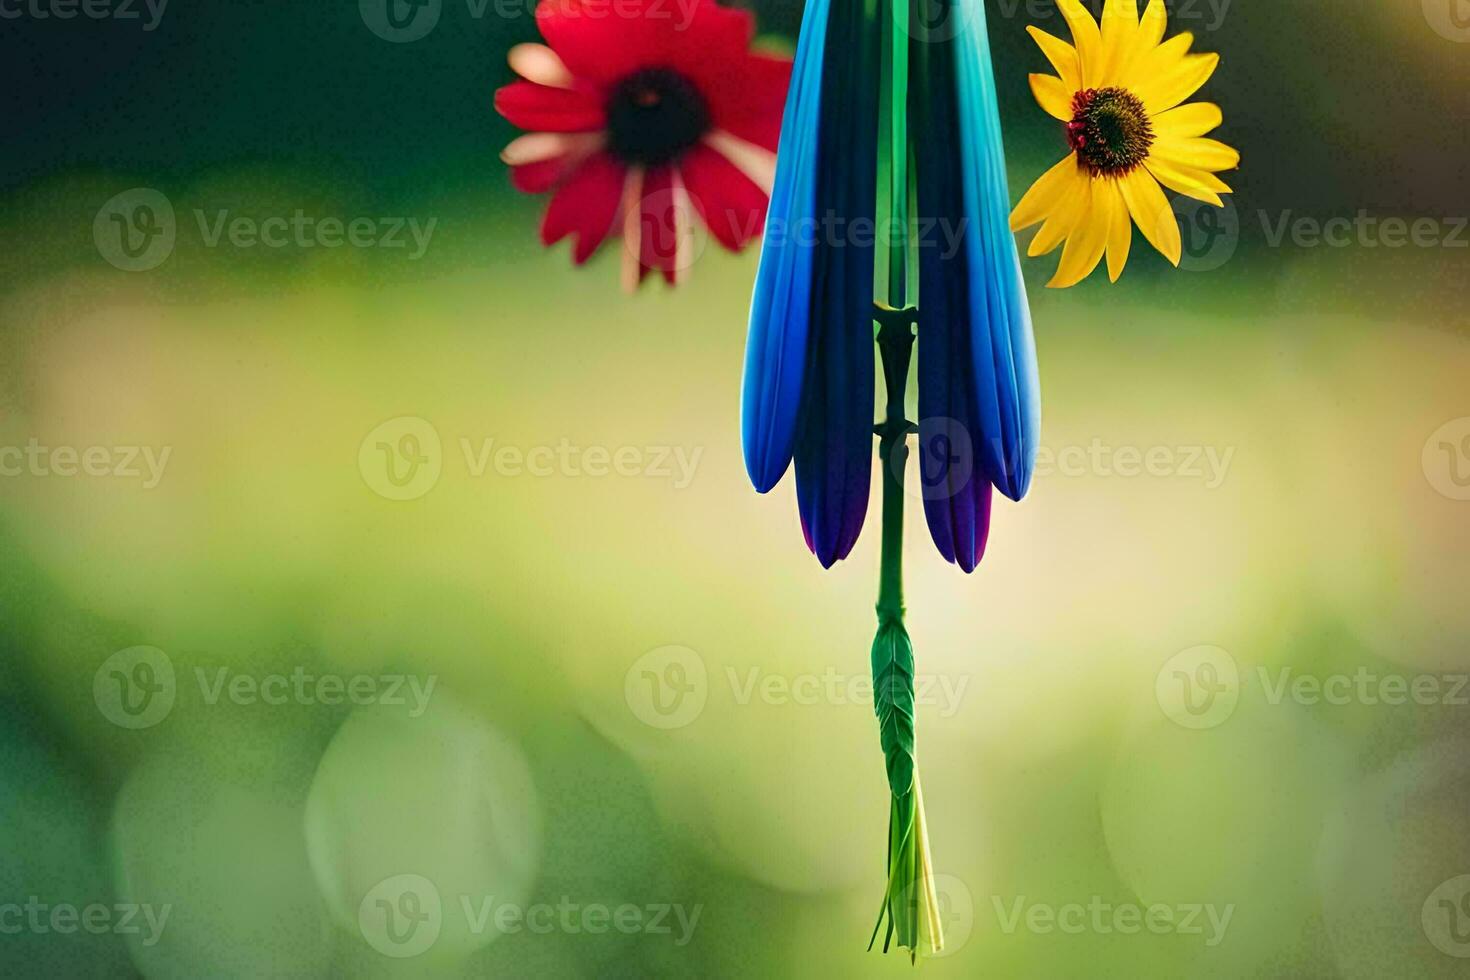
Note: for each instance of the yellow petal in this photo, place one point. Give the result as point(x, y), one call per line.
point(1089, 239)
point(1150, 65)
point(1185, 180)
point(1087, 38)
point(1194, 119)
point(1063, 57)
point(1052, 96)
point(1204, 154)
point(1178, 83)
point(1120, 233)
point(1151, 26)
point(1119, 35)
point(1044, 196)
point(1064, 217)
point(1151, 212)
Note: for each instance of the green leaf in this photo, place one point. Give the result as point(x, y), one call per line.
point(893, 701)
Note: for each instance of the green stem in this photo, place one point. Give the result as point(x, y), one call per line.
point(895, 343)
point(910, 905)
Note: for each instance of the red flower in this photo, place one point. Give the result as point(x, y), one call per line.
point(644, 113)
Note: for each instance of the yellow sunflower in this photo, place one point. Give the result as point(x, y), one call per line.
point(1119, 91)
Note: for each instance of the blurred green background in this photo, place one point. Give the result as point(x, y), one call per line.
point(272, 713)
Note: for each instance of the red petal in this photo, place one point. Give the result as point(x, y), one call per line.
point(541, 176)
point(732, 205)
point(586, 205)
point(555, 110)
point(658, 224)
point(750, 101)
point(604, 40)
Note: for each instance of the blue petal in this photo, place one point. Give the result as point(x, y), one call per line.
point(834, 448)
point(956, 491)
point(1007, 388)
point(776, 349)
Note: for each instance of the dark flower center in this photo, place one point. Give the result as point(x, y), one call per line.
point(654, 115)
point(1109, 130)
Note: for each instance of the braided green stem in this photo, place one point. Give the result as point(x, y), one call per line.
point(910, 905)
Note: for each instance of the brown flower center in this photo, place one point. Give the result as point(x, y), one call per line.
point(1110, 131)
point(653, 116)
